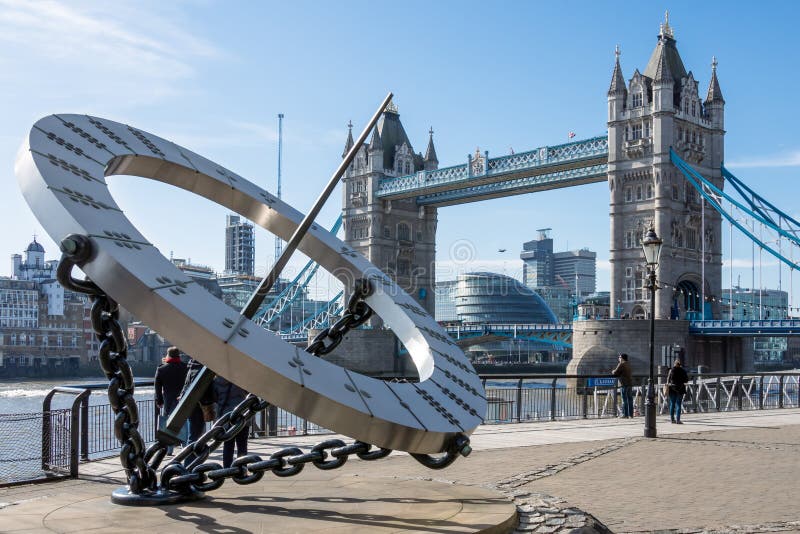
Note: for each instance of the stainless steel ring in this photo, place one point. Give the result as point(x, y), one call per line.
point(62, 168)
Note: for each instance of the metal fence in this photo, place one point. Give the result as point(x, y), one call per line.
point(527, 398)
point(86, 432)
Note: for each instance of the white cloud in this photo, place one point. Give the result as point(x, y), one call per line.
point(786, 159)
point(131, 52)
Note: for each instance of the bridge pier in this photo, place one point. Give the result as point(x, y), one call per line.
point(595, 345)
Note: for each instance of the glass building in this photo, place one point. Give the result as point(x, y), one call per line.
point(495, 298)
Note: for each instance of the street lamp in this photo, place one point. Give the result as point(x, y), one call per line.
point(651, 246)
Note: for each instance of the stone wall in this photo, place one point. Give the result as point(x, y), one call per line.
point(371, 352)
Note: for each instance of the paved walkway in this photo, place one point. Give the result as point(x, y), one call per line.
point(734, 472)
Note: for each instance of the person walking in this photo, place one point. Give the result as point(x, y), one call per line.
point(168, 384)
point(229, 395)
point(623, 373)
point(676, 382)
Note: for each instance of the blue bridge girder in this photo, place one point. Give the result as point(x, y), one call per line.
point(548, 167)
point(776, 327)
point(555, 334)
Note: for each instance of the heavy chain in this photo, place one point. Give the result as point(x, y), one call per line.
point(356, 313)
point(198, 475)
point(114, 362)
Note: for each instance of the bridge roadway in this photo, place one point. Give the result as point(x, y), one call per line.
point(726, 472)
point(548, 167)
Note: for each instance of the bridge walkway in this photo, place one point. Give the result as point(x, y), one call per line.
point(725, 471)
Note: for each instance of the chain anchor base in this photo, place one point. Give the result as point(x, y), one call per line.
point(160, 497)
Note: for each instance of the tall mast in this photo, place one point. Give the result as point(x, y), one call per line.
point(278, 241)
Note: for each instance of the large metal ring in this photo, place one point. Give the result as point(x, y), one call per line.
point(62, 168)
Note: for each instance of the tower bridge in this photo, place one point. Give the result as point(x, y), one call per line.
point(662, 158)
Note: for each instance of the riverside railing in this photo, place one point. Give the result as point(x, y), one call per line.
point(85, 431)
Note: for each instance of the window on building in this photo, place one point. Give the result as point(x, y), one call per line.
point(649, 191)
point(636, 131)
point(628, 194)
point(694, 108)
point(628, 272)
point(419, 236)
point(637, 99)
point(691, 238)
point(638, 192)
point(647, 129)
point(403, 232)
point(386, 232)
point(629, 293)
point(403, 267)
point(675, 193)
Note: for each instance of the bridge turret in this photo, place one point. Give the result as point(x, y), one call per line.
point(431, 162)
point(617, 92)
point(715, 111)
point(376, 152)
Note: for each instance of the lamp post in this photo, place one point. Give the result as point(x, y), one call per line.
point(651, 246)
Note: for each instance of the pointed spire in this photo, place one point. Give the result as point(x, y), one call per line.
point(617, 81)
point(663, 73)
point(430, 154)
point(714, 92)
point(375, 143)
point(349, 143)
point(666, 31)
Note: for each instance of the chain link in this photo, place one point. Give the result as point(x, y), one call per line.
point(140, 465)
point(357, 312)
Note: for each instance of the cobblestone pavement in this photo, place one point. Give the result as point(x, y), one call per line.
point(720, 473)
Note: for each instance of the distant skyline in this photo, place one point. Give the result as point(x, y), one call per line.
point(213, 76)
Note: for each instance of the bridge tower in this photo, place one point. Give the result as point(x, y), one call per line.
point(397, 236)
point(656, 110)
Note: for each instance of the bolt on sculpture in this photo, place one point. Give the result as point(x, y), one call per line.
point(62, 168)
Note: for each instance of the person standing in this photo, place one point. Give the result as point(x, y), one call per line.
point(623, 373)
point(229, 395)
point(676, 382)
point(168, 383)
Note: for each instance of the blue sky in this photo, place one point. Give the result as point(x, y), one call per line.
point(214, 75)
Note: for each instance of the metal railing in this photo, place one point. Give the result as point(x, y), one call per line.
point(86, 432)
point(551, 397)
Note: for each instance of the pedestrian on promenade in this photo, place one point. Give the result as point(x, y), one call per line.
point(229, 395)
point(204, 410)
point(168, 383)
point(623, 373)
point(676, 382)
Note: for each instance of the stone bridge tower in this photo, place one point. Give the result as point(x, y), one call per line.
point(398, 236)
point(655, 111)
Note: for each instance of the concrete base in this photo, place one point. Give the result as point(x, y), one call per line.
point(345, 503)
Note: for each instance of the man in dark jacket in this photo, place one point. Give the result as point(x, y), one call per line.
point(168, 384)
point(623, 373)
point(676, 382)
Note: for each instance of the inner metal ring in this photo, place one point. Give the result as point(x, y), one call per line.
point(62, 168)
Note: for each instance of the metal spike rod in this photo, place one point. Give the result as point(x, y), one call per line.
point(266, 284)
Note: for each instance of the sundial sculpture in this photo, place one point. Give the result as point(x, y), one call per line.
point(62, 168)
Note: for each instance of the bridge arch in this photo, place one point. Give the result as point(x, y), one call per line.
point(687, 299)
